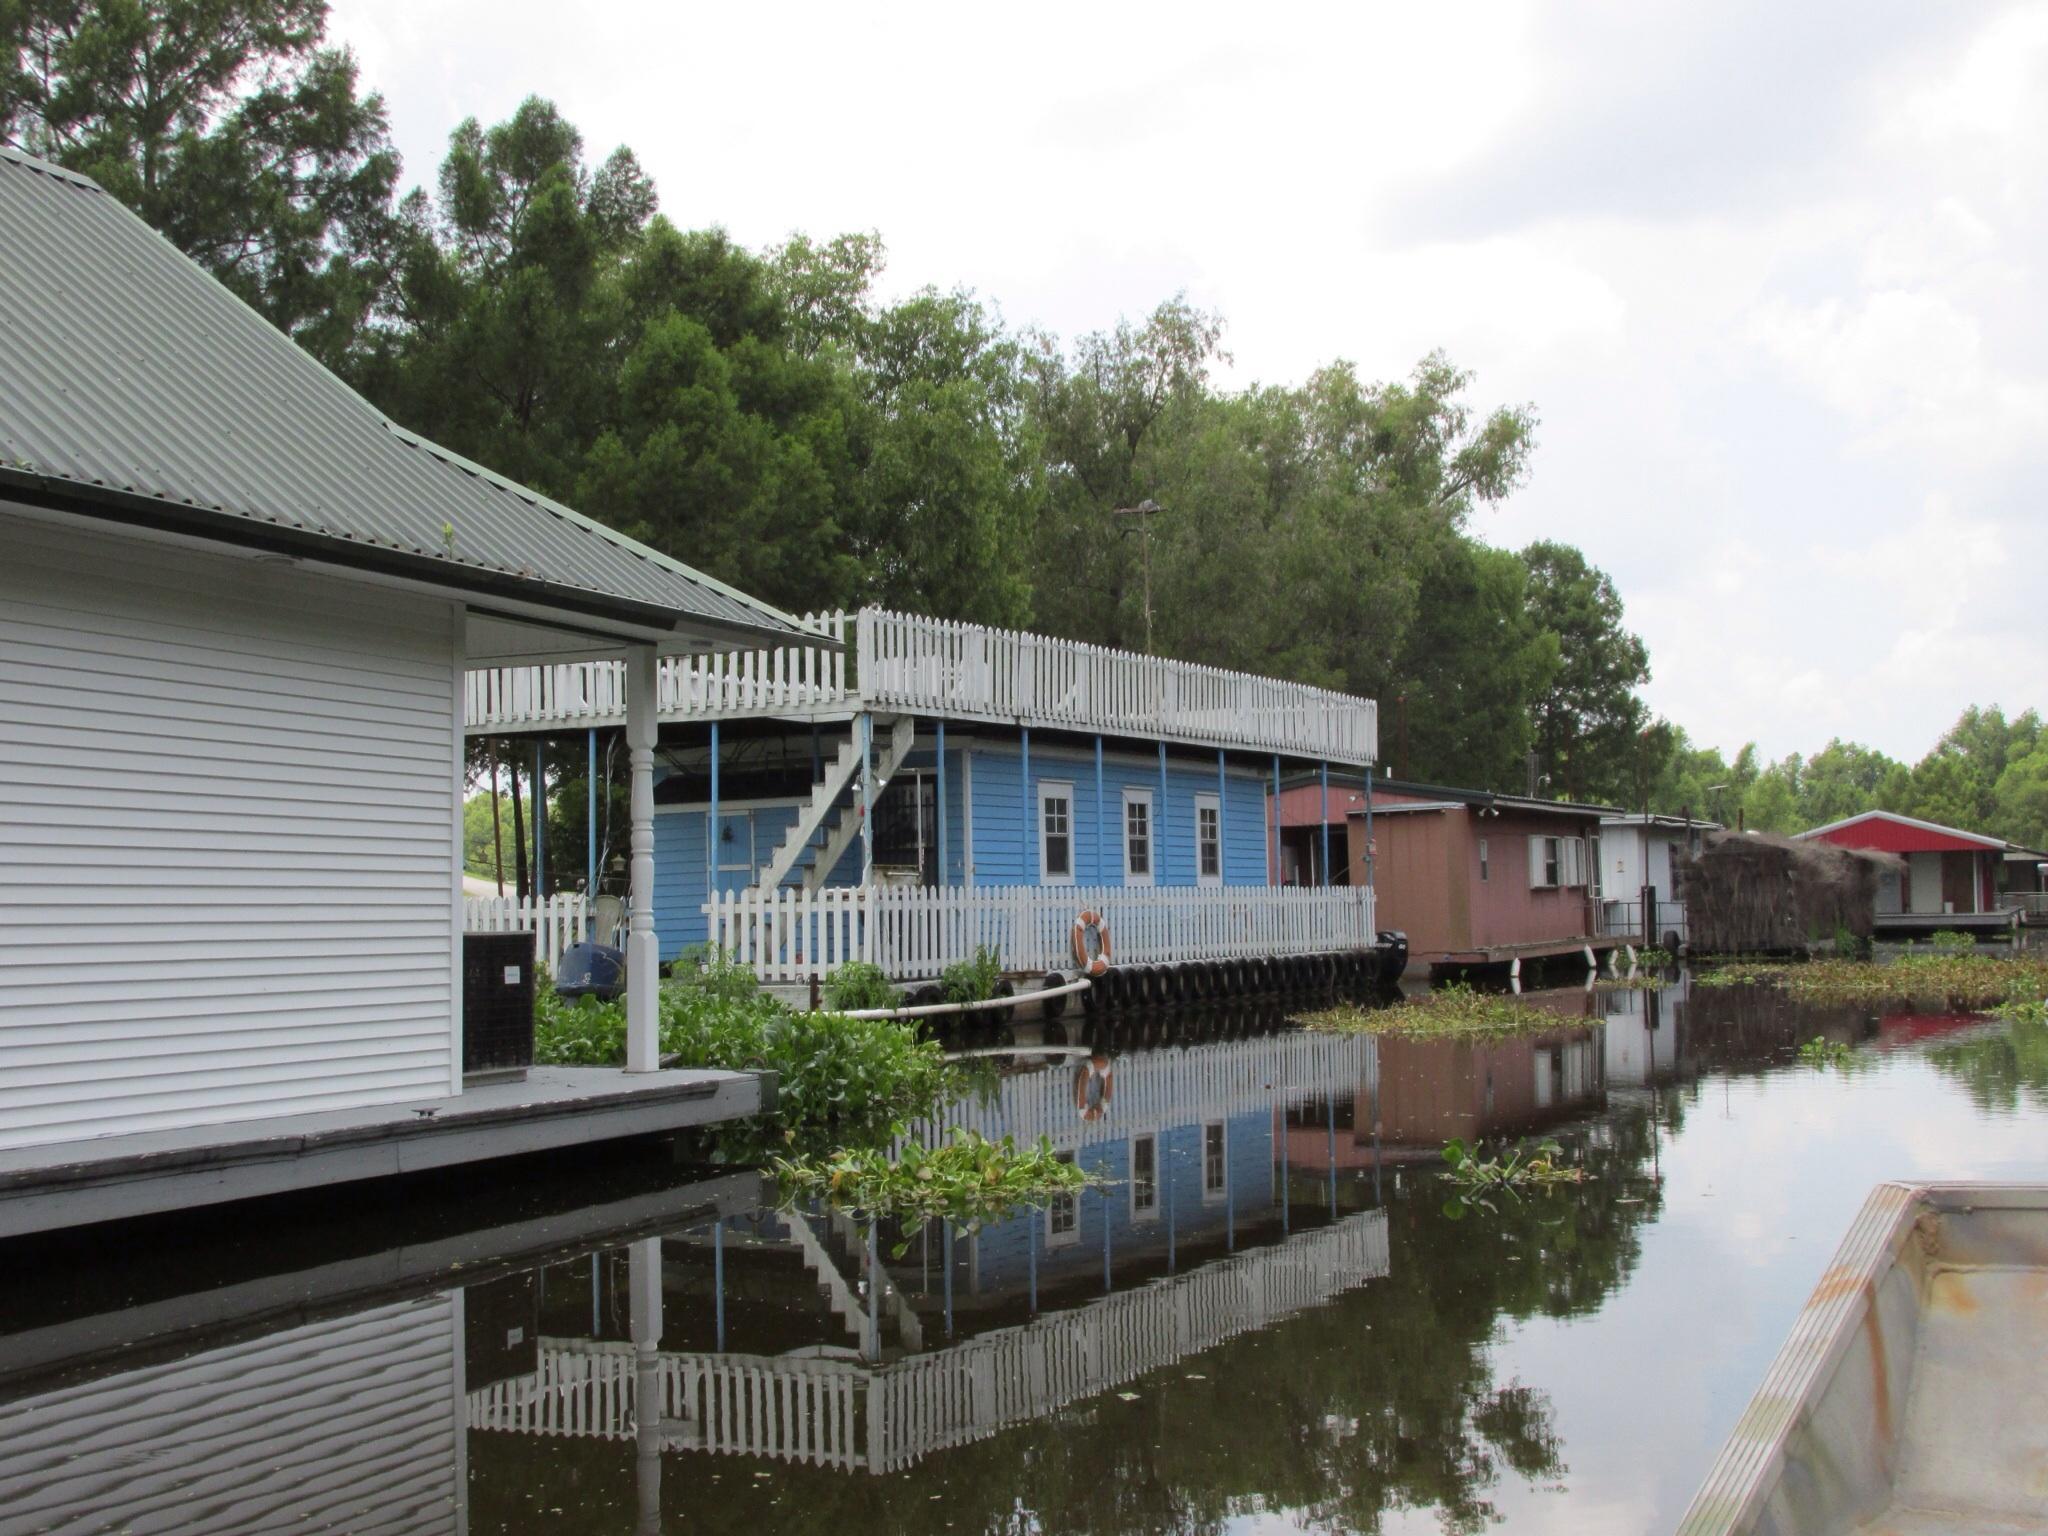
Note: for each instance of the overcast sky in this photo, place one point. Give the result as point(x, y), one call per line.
point(1767, 272)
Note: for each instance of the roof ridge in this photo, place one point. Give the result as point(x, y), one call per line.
point(39, 166)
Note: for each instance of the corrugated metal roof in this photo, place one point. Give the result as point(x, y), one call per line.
point(127, 370)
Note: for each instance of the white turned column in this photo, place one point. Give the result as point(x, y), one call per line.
point(643, 959)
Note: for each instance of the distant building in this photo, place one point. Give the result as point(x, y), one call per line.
point(1639, 850)
point(1948, 878)
point(1479, 879)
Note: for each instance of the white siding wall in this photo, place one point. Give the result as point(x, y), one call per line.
point(347, 1425)
point(229, 822)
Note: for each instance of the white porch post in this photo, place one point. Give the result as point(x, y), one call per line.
point(643, 968)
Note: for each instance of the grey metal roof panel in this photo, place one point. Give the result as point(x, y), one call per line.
point(127, 369)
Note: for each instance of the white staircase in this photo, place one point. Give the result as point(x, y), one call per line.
point(838, 774)
point(902, 731)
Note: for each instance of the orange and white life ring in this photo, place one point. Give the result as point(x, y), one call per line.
point(1095, 961)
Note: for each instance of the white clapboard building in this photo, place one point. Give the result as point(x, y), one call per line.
point(237, 606)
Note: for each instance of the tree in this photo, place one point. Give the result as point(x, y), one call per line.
point(2021, 798)
point(1841, 780)
point(1590, 722)
point(233, 128)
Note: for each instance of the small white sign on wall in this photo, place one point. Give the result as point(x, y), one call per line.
point(512, 975)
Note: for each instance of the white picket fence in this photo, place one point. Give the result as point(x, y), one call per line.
point(906, 664)
point(787, 678)
point(842, 1414)
point(789, 934)
point(556, 922)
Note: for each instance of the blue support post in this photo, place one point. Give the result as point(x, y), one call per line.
point(945, 868)
point(1273, 826)
point(540, 820)
point(1101, 821)
point(711, 824)
point(590, 797)
point(867, 800)
point(1158, 817)
point(1034, 1218)
point(1327, 880)
point(948, 1251)
point(1029, 819)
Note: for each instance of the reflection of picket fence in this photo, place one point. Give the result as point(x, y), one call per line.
point(556, 921)
point(839, 1413)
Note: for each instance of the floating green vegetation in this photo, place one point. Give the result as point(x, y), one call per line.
point(840, 1080)
point(859, 985)
point(1653, 956)
point(1635, 981)
point(1521, 1168)
point(966, 1179)
point(972, 981)
point(1952, 941)
point(1961, 979)
point(1820, 1051)
point(2030, 1011)
point(1452, 1011)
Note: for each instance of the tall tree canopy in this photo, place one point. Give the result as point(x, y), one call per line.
point(774, 419)
point(233, 127)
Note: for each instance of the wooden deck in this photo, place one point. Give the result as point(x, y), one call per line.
point(111, 1178)
point(902, 664)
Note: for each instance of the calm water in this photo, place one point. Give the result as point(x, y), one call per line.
point(1267, 1322)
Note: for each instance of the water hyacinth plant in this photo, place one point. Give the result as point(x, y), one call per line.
point(1480, 1178)
point(966, 1179)
point(1453, 1010)
point(1968, 978)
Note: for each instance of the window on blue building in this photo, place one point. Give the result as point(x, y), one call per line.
point(1208, 840)
point(1137, 837)
point(1056, 833)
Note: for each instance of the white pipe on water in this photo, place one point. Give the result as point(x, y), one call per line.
point(927, 1010)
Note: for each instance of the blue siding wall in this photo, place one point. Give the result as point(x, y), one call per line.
point(1181, 1217)
point(1001, 824)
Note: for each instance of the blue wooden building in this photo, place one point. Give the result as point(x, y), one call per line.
point(904, 790)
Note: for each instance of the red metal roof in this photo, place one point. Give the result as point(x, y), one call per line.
point(1892, 833)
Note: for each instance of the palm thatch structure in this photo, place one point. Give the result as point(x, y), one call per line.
point(1754, 893)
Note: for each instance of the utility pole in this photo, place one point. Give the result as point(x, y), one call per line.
point(1144, 512)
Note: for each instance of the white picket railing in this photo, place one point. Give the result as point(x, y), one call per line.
point(882, 1418)
point(556, 922)
point(573, 695)
point(788, 934)
point(906, 664)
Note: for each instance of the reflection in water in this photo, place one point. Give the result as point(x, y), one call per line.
point(1265, 1313)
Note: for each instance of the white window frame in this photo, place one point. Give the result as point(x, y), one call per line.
point(1145, 1212)
point(1213, 1194)
point(1049, 790)
point(1151, 873)
point(1208, 800)
point(1070, 1203)
point(1546, 862)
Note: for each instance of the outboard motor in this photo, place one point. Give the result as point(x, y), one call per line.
point(1392, 948)
point(591, 970)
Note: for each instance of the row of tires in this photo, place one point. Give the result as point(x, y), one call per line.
point(1138, 986)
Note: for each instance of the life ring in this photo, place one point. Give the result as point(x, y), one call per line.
point(1096, 963)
